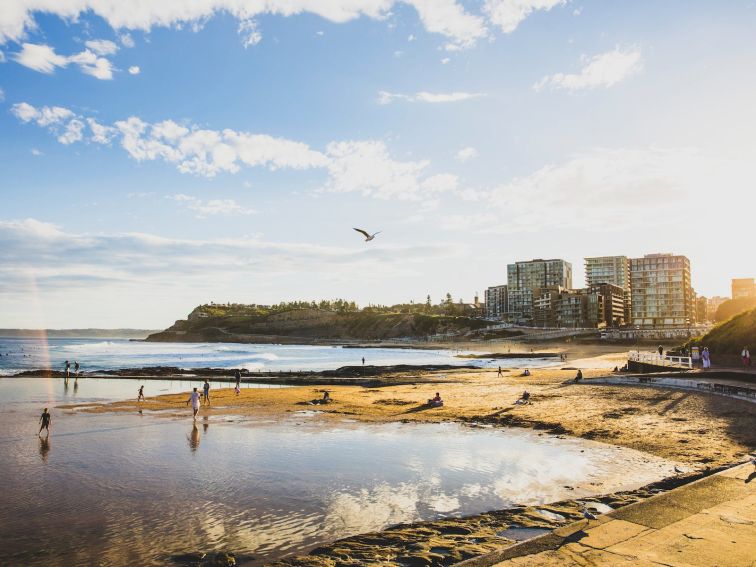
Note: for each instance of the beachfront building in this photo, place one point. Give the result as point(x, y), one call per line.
point(614, 300)
point(495, 298)
point(554, 306)
point(743, 288)
point(712, 304)
point(614, 270)
point(524, 277)
point(662, 296)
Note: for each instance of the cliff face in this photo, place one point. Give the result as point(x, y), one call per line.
point(310, 325)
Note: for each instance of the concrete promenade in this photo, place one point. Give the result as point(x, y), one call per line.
point(707, 523)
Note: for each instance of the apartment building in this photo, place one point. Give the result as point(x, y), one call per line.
point(661, 292)
point(614, 270)
point(743, 287)
point(525, 277)
point(495, 299)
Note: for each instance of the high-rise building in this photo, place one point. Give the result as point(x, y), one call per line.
point(614, 303)
point(524, 277)
point(613, 270)
point(495, 298)
point(713, 304)
point(743, 287)
point(662, 295)
point(568, 308)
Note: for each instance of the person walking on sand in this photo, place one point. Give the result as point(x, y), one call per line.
point(194, 397)
point(746, 356)
point(206, 391)
point(706, 357)
point(499, 374)
point(237, 375)
point(45, 419)
point(140, 396)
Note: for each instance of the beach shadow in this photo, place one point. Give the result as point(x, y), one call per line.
point(751, 477)
point(674, 403)
point(421, 407)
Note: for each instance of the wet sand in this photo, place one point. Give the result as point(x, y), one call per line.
point(700, 431)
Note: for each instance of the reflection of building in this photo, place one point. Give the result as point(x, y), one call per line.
point(613, 270)
point(524, 277)
point(743, 287)
point(662, 296)
point(496, 302)
point(713, 304)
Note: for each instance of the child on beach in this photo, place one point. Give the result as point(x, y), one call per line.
point(237, 389)
point(194, 397)
point(45, 419)
point(140, 396)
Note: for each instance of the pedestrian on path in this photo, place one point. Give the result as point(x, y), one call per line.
point(194, 398)
point(746, 356)
point(706, 357)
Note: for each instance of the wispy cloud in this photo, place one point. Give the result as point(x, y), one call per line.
point(466, 154)
point(210, 207)
point(386, 97)
point(44, 59)
point(603, 70)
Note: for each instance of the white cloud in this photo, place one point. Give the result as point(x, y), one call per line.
point(320, 33)
point(36, 152)
point(44, 59)
point(445, 17)
point(72, 133)
point(101, 46)
point(134, 70)
point(508, 14)
point(411, 37)
point(466, 154)
point(445, 61)
point(385, 97)
point(210, 207)
point(603, 70)
point(249, 33)
point(353, 166)
point(2, 57)
point(126, 39)
point(2, 95)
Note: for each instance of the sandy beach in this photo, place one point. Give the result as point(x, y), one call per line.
point(701, 432)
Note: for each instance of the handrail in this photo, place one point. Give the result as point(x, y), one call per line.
point(660, 360)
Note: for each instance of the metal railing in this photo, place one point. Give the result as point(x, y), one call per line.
point(660, 360)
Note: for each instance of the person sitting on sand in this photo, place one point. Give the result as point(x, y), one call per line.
point(436, 401)
point(578, 376)
point(326, 397)
point(526, 373)
point(524, 399)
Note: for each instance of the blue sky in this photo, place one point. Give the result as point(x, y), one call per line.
point(155, 157)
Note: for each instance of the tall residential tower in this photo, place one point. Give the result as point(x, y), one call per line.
point(525, 277)
point(662, 295)
point(614, 270)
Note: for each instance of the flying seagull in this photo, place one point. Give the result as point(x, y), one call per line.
point(368, 237)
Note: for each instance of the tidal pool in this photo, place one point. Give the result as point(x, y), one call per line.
point(131, 489)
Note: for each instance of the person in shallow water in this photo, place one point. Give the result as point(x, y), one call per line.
point(45, 419)
point(206, 391)
point(140, 396)
point(194, 397)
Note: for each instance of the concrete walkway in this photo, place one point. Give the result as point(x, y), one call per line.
point(708, 523)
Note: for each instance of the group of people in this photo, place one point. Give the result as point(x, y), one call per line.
point(68, 369)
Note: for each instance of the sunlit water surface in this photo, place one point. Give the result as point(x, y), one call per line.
point(111, 354)
point(141, 490)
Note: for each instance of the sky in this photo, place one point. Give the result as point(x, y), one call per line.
point(159, 155)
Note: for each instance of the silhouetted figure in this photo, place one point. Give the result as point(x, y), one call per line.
point(140, 395)
point(499, 374)
point(45, 420)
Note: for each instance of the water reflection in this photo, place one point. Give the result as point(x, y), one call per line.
point(44, 448)
point(205, 424)
point(194, 438)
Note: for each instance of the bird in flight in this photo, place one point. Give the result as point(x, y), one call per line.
point(368, 237)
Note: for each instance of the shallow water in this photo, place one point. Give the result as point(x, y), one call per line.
point(98, 354)
point(131, 489)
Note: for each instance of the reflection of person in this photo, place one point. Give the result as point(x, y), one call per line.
point(205, 423)
point(45, 419)
point(194, 397)
point(194, 438)
point(44, 448)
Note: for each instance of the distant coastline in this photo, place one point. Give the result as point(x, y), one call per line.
point(76, 333)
